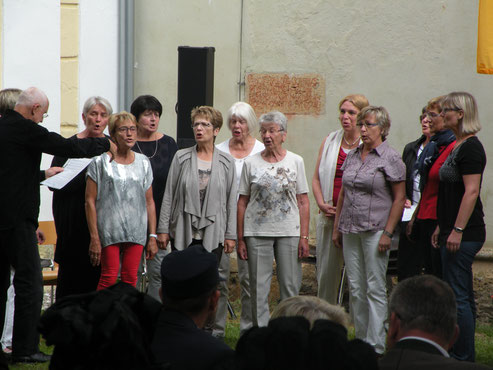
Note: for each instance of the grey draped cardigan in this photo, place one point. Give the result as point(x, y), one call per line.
point(181, 209)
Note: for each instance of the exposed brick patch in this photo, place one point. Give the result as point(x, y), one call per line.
point(287, 93)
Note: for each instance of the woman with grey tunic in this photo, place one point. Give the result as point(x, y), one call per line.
point(199, 202)
point(273, 216)
point(119, 206)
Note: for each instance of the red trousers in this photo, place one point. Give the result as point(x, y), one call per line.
point(110, 264)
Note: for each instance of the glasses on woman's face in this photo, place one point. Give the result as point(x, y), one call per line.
point(366, 124)
point(203, 124)
point(432, 114)
point(125, 129)
point(271, 131)
point(446, 110)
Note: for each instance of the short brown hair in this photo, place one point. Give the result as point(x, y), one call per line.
point(117, 118)
point(210, 113)
point(436, 103)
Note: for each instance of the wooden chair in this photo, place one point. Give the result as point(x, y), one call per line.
point(50, 267)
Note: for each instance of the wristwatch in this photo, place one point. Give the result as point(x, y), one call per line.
point(386, 233)
point(460, 230)
point(152, 236)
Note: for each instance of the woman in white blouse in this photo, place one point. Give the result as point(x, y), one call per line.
point(242, 122)
point(273, 216)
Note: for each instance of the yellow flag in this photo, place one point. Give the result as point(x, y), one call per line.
point(485, 37)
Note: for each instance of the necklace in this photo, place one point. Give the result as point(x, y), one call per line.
point(155, 150)
point(348, 144)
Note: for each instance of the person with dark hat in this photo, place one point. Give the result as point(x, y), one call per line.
point(189, 291)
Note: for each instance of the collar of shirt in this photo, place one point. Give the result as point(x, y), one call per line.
point(429, 341)
point(379, 150)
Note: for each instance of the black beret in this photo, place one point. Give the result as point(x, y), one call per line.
point(189, 273)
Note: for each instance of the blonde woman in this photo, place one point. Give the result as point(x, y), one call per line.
point(119, 206)
point(326, 185)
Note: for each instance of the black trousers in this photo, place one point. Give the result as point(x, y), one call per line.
point(19, 248)
point(418, 256)
point(409, 257)
point(77, 277)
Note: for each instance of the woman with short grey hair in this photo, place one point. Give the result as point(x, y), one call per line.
point(369, 207)
point(242, 122)
point(273, 216)
point(76, 274)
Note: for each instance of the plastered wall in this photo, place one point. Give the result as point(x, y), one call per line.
point(398, 53)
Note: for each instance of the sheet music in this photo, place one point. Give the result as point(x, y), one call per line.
point(71, 168)
point(408, 213)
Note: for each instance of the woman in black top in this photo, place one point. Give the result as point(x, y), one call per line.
point(76, 275)
point(160, 149)
point(461, 230)
point(410, 258)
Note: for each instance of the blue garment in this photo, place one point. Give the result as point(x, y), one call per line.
point(457, 272)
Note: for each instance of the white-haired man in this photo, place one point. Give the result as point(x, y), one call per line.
point(423, 327)
point(22, 141)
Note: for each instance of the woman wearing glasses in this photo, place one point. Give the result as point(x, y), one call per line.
point(273, 216)
point(461, 231)
point(427, 166)
point(326, 184)
point(199, 202)
point(369, 207)
point(119, 204)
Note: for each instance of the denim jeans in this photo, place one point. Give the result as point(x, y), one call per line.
point(457, 272)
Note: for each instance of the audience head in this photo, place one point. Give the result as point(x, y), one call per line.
point(211, 114)
point(311, 308)
point(8, 99)
point(189, 280)
point(423, 304)
point(243, 111)
point(465, 105)
point(33, 104)
point(291, 343)
point(275, 117)
point(382, 118)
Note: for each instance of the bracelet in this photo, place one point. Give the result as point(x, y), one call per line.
point(459, 230)
point(304, 237)
point(386, 233)
point(153, 236)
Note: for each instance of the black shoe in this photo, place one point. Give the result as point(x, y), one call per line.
point(35, 357)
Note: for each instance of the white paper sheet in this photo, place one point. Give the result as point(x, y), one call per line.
point(408, 213)
point(72, 168)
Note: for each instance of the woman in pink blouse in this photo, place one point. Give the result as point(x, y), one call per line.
point(369, 207)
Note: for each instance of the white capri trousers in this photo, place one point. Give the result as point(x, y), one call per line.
point(222, 304)
point(261, 253)
point(366, 270)
point(329, 261)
